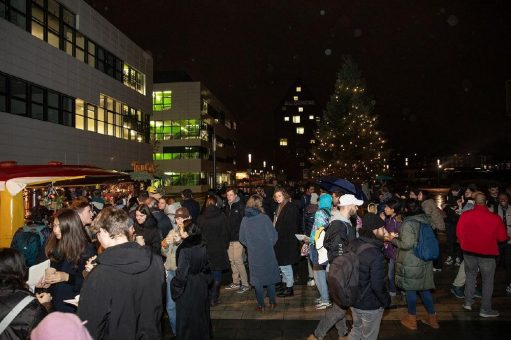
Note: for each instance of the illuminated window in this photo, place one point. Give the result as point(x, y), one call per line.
point(283, 142)
point(300, 130)
point(286, 119)
point(133, 78)
point(296, 119)
point(162, 100)
point(313, 141)
point(300, 109)
point(311, 117)
point(298, 89)
point(295, 98)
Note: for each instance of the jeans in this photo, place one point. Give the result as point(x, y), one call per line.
point(217, 275)
point(321, 284)
point(427, 300)
point(366, 324)
point(486, 266)
point(171, 304)
point(333, 316)
point(452, 247)
point(392, 276)
point(460, 279)
point(239, 273)
point(259, 290)
point(287, 275)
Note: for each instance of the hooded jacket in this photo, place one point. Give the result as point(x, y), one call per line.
point(234, 212)
point(215, 235)
point(122, 297)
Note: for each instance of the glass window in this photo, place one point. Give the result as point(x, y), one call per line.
point(296, 119)
point(53, 115)
point(68, 17)
point(37, 94)
point(300, 109)
point(313, 141)
point(53, 39)
point(286, 119)
point(300, 130)
point(37, 30)
point(18, 107)
point(298, 89)
point(295, 98)
point(283, 142)
point(162, 100)
point(37, 111)
point(53, 99)
point(53, 7)
point(79, 122)
point(311, 117)
point(53, 23)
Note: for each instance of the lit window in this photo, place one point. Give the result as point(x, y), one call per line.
point(133, 78)
point(283, 142)
point(311, 117)
point(313, 141)
point(162, 100)
point(300, 109)
point(300, 130)
point(286, 119)
point(298, 89)
point(295, 98)
point(296, 119)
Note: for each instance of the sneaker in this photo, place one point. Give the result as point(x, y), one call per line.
point(323, 305)
point(311, 283)
point(437, 270)
point(232, 286)
point(508, 289)
point(243, 289)
point(467, 307)
point(449, 261)
point(458, 292)
point(477, 293)
point(318, 300)
point(457, 262)
point(488, 313)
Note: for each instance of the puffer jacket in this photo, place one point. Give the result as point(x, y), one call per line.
point(26, 320)
point(437, 216)
point(412, 273)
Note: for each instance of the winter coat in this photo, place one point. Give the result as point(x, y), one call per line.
point(392, 225)
point(215, 235)
point(190, 290)
point(371, 277)
point(480, 231)
point(152, 235)
point(338, 235)
point(234, 212)
point(435, 214)
point(26, 320)
point(193, 208)
point(68, 290)
point(308, 217)
point(162, 220)
point(287, 224)
point(122, 297)
point(412, 273)
point(259, 236)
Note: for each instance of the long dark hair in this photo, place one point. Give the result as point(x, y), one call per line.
point(412, 207)
point(13, 272)
point(73, 239)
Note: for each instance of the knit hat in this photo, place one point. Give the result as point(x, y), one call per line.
point(60, 326)
point(372, 221)
point(314, 198)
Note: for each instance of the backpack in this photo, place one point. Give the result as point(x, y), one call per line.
point(343, 276)
point(319, 239)
point(426, 247)
point(29, 240)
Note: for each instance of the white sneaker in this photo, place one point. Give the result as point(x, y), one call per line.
point(232, 286)
point(449, 261)
point(467, 307)
point(457, 262)
point(311, 283)
point(243, 289)
point(323, 305)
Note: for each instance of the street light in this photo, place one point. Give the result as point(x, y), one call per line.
point(249, 169)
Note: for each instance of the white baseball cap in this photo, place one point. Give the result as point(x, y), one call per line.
point(349, 199)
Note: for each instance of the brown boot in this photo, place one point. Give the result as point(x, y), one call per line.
point(431, 321)
point(410, 322)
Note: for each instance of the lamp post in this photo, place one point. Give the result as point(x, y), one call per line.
point(249, 169)
point(264, 171)
point(214, 158)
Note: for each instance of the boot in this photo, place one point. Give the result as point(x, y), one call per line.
point(432, 321)
point(214, 293)
point(286, 292)
point(410, 322)
point(280, 287)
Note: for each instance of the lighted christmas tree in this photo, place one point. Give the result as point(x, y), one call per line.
point(348, 143)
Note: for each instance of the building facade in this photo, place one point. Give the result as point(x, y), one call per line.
point(295, 123)
point(73, 88)
point(186, 119)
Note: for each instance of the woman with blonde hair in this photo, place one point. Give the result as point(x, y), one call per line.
point(259, 236)
point(287, 249)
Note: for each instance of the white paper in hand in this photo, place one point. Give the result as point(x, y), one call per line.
point(36, 273)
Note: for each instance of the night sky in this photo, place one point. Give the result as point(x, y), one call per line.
point(437, 69)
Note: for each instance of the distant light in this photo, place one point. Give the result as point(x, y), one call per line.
point(249, 158)
point(322, 12)
point(264, 164)
point(328, 51)
point(298, 89)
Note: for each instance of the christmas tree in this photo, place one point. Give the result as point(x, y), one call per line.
point(348, 143)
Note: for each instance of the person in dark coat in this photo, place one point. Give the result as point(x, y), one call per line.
point(259, 236)
point(287, 248)
point(13, 289)
point(122, 297)
point(189, 203)
point(367, 311)
point(147, 227)
point(190, 286)
point(68, 249)
point(215, 235)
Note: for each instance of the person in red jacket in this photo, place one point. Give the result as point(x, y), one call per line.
point(479, 232)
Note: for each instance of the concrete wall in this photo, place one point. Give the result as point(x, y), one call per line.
point(30, 141)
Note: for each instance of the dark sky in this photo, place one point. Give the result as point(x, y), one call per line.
point(437, 69)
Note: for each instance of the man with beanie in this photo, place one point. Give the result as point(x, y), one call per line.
point(367, 311)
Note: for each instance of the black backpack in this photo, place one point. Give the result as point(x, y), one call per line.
point(343, 276)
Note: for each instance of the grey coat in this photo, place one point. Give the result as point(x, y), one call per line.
point(259, 236)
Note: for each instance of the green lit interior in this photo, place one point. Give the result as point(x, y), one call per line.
point(162, 100)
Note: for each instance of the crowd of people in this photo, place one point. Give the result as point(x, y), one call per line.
point(115, 269)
